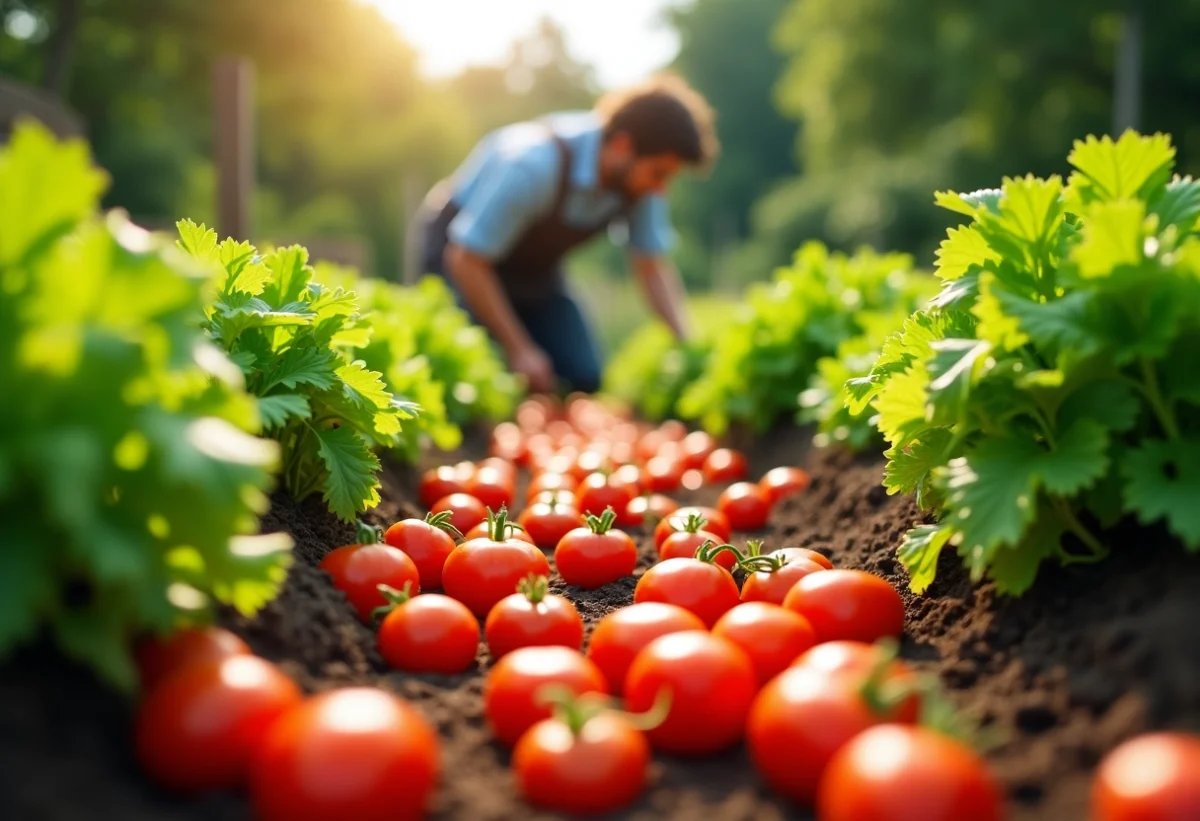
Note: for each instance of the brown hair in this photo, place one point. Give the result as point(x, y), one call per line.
point(663, 115)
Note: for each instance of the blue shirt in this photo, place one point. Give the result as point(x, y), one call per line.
point(510, 179)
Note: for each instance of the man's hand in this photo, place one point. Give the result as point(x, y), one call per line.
point(532, 362)
point(663, 289)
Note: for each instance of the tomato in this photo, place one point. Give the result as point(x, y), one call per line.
point(804, 553)
point(714, 522)
point(427, 543)
point(198, 728)
point(779, 483)
point(438, 483)
point(430, 633)
point(589, 462)
point(481, 572)
point(673, 430)
point(547, 522)
point(725, 465)
point(745, 506)
point(848, 604)
point(683, 544)
point(465, 510)
point(492, 487)
point(504, 467)
point(596, 555)
point(770, 577)
point(599, 767)
point(771, 636)
point(352, 753)
point(562, 498)
point(513, 687)
point(598, 492)
point(655, 506)
point(698, 585)
point(620, 635)
point(551, 481)
point(697, 446)
point(860, 658)
point(711, 682)
point(896, 772)
point(464, 471)
point(532, 617)
point(508, 442)
point(799, 720)
point(649, 444)
point(633, 476)
point(359, 569)
point(511, 531)
point(1151, 777)
point(664, 474)
point(158, 657)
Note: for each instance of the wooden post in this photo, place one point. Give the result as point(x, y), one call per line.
point(1127, 86)
point(233, 146)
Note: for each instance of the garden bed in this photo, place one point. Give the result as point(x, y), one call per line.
point(1090, 656)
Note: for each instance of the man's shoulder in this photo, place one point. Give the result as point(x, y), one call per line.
point(531, 144)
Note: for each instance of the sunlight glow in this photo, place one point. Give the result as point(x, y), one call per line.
point(622, 39)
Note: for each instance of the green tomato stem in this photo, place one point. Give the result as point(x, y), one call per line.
point(534, 587)
point(1153, 394)
point(394, 599)
point(603, 523)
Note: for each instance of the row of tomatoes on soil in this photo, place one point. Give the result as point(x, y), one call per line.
point(799, 663)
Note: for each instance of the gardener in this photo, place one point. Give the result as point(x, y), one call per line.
point(528, 193)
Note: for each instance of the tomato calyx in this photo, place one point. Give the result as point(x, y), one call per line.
point(394, 597)
point(442, 521)
point(498, 524)
point(576, 710)
point(366, 533)
point(534, 588)
point(755, 561)
point(693, 524)
point(603, 523)
point(709, 551)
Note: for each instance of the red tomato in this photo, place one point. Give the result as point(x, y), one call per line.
point(649, 444)
point(426, 543)
point(551, 481)
point(663, 474)
point(714, 522)
point(771, 636)
point(359, 569)
point(598, 492)
point(532, 617)
point(158, 657)
point(562, 498)
point(770, 580)
point(492, 487)
point(860, 658)
point(198, 728)
point(673, 430)
point(438, 483)
point(376, 756)
point(939, 778)
point(712, 685)
point(848, 604)
point(599, 767)
point(1151, 777)
point(547, 523)
point(481, 572)
point(465, 510)
point(504, 467)
point(511, 531)
point(799, 720)
point(697, 446)
point(683, 544)
point(429, 634)
point(512, 688)
point(633, 476)
point(692, 479)
point(804, 553)
point(696, 584)
point(655, 506)
point(725, 465)
point(745, 505)
point(596, 555)
point(620, 635)
point(779, 483)
point(509, 443)
point(464, 470)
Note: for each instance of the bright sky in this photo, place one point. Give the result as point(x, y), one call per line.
point(621, 38)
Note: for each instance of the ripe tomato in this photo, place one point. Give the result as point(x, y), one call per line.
point(158, 657)
point(198, 728)
point(714, 522)
point(599, 766)
point(503, 466)
point(513, 687)
point(464, 470)
point(848, 604)
point(771, 636)
point(438, 483)
point(491, 486)
point(511, 531)
point(633, 476)
point(860, 658)
point(359, 569)
point(698, 585)
point(465, 510)
point(562, 498)
point(551, 481)
point(663, 474)
point(779, 483)
point(598, 492)
point(804, 553)
point(799, 720)
point(547, 522)
point(697, 446)
point(711, 683)
point(620, 636)
point(428, 634)
point(673, 430)
point(939, 778)
point(683, 544)
point(1151, 776)
point(377, 758)
point(532, 617)
point(507, 442)
point(427, 543)
point(590, 461)
point(745, 506)
point(725, 465)
point(655, 506)
point(770, 577)
point(596, 555)
point(481, 572)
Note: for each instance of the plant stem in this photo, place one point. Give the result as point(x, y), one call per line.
point(1097, 548)
point(1153, 394)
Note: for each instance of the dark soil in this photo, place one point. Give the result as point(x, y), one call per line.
point(1089, 657)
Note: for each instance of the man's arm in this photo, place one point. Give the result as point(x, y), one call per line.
point(663, 289)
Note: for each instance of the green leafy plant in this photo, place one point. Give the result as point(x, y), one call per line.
point(1052, 387)
point(130, 485)
point(295, 341)
point(651, 370)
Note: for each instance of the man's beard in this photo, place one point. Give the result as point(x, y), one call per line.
point(618, 179)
